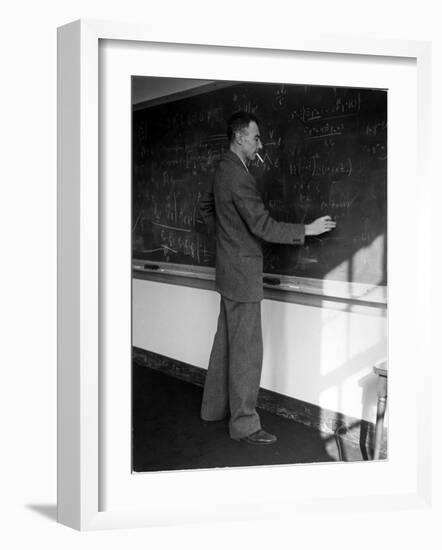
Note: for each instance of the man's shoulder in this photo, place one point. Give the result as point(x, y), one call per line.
point(231, 166)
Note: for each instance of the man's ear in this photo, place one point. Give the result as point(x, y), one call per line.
point(238, 137)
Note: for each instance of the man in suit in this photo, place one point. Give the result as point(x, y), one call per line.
point(242, 224)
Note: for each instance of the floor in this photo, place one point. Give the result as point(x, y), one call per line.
point(168, 433)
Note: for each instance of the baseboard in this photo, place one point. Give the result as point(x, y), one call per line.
point(355, 430)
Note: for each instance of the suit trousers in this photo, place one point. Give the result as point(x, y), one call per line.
point(234, 373)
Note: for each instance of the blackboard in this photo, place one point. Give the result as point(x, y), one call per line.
point(325, 152)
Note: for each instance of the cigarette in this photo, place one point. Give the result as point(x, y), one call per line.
point(259, 157)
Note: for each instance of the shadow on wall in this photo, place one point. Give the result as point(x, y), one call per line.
point(324, 353)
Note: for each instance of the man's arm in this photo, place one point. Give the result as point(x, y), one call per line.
point(206, 211)
point(258, 219)
point(252, 210)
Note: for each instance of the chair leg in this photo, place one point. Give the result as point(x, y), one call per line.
point(382, 405)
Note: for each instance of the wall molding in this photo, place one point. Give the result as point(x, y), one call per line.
point(343, 427)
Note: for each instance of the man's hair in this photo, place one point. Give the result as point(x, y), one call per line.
point(239, 121)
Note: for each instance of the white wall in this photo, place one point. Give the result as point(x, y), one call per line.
point(321, 355)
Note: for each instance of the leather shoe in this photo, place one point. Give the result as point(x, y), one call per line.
point(260, 437)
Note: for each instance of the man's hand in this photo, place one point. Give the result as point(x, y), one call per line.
point(320, 225)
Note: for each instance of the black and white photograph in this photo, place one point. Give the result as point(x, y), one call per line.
point(259, 261)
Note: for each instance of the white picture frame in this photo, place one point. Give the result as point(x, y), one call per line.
point(80, 296)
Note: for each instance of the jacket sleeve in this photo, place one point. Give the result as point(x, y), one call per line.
point(206, 210)
point(257, 218)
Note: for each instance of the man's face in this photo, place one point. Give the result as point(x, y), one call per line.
point(250, 141)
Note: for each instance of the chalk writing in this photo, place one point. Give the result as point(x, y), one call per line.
point(339, 107)
point(324, 130)
point(280, 97)
point(375, 128)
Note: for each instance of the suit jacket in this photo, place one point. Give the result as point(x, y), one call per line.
point(242, 223)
